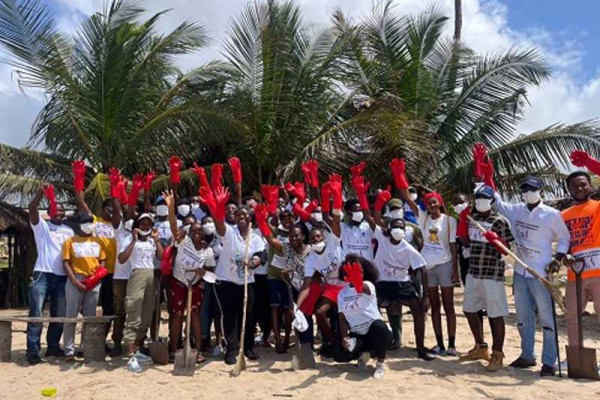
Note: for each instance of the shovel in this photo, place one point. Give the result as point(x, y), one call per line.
point(185, 359)
point(159, 348)
point(581, 361)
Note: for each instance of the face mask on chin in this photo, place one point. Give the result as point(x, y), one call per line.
point(532, 197)
point(357, 216)
point(483, 205)
point(318, 247)
point(145, 233)
point(183, 210)
point(162, 210)
point(397, 234)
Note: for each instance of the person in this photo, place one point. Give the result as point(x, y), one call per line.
point(359, 317)
point(439, 250)
point(161, 222)
point(409, 215)
point(460, 203)
point(197, 209)
point(193, 254)
point(484, 283)
point(261, 307)
point(356, 235)
point(583, 222)
point(48, 280)
point(83, 255)
point(183, 208)
point(140, 300)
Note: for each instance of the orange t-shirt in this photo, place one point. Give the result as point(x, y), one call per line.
point(583, 222)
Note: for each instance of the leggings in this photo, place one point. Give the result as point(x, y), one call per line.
point(262, 308)
point(231, 297)
point(374, 341)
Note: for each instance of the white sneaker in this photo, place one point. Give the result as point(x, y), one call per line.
point(142, 358)
point(133, 365)
point(363, 360)
point(217, 351)
point(379, 370)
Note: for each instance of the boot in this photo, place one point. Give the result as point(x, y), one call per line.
point(495, 364)
point(479, 352)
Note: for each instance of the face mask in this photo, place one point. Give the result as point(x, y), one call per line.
point(397, 234)
point(357, 216)
point(532, 197)
point(128, 225)
point(195, 206)
point(162, 210)
point(183, 210)
point(186, 229)
point(459, 208)
point(280, 227)
point(209, 228)
point(87, 228)
point(318, 247)
point(317, 216)
point(145, 233)
point(397, 214)
point(483, 205)
point(413, 196)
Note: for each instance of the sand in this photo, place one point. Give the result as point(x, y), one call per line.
point(271, 377)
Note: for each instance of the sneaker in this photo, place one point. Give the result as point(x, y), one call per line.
point(522, 363)
point(69, 358)
point(230, 357)
point(142, 358)
point(426, 355)
point(495, 364)
point(363, 360)
point(451, 352)
point(33, 359)
point(55, 352)
point(133, 365)
point(115, 352)
point(250, 354)
point(379, 370)
point(439, 351)
point(479, 352)
point(217, 351)
point(547, 370)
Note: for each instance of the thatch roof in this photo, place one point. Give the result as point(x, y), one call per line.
point(567, 202)
point(11, 216)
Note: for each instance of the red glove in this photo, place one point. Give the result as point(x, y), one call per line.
point(207, 197)
point(270, 195)
point(199, 171)
point(175, 165)
point(114, 177)
point(307, 173)
point(49, 192)
point(92, 281)
point(398, 167)
point(462, 229)
point(122, 187)
point(335, 182)
point(222, 196)
point(300, 212)
point(581, 158)
point(479, 154)
point(495, 240)
point(382, 198)
point(358, 169)
point(326, 197)
point(314, 173)
point(361, 188)
point(136, 187)
point(216, 177)
point(236, 169)
point(260, 216)
point(78, 168)
point(296, 190)
point(487, 169)
point(148, 181)
point(354, 276)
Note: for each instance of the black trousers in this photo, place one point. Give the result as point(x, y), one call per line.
point(107, 299)
point(374, 341)
point(261, 311)
point(231, 297)
point(463, 263)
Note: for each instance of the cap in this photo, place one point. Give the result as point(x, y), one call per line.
point(145, 215)
point(485, 192)
point(532, 181)
point(158, 199)
point(395, 203)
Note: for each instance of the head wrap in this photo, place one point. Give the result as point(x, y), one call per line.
point(434, 195)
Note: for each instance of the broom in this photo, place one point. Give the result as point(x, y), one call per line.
point(554, 291)
point(240, 363)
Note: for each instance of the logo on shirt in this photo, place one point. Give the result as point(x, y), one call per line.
point(434, 236)
point(580, 229)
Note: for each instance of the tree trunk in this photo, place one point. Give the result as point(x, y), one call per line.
point(457, 20)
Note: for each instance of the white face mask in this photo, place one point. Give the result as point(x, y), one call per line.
point(87, 228)
point(162, 210)
point(280, 227)
point(459, 208)
point(357, 216)
point(397, 213)
point(532, 197)
point(145, 233)
point(183, 210)
point(186, 229)
point(317, 216)
point(195, 206)
point(318, 247)
point(413, 196)
point(397, 234)
point(128, 225)
point(483, 205)
point(209, 228)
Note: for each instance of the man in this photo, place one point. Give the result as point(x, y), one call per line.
point(535, 227)
point(484, 283)
point(356, 234)
point(583, 223)
point(48, 279)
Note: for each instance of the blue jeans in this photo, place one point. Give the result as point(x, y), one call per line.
point(45, 284)
point(529, 295)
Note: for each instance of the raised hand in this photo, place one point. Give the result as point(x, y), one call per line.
point(199, 171)
point(313, 166)
point(398, 168)
point(361, 187)
point(307, 173)
point(169, 198)
point(78, 168)
point(236, 169)
point(260, 216)
point(222, 196)
point(270, 195)
point(480, 153)
point(148, 181)
point(487, 171)
point(335, 182)
point(208, 198)
point(580, 158)
point(296, 190)
point(122, 188)
point(326, 197)
point(175, 167)
point(136, 187)
point(358, 169)
point(354, 276)
point(216, 177)
point(382, 198)
point(49, 192)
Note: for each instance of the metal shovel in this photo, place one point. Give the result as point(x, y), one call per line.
point(159, 348)
point(185, 359)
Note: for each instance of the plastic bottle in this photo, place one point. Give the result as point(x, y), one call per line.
point(49, 393)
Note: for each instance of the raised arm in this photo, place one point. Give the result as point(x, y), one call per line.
point(398, 168)
point(34, 214)
point(335, 181)
point(261, 215)
point(581, 158)
point(82, 206)
point(170, 200)
point(382, 198)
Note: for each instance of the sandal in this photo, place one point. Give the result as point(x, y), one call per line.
point(200, 358)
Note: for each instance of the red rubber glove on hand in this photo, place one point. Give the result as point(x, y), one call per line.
point(358, 169)
point(307, 173)
point(175, 167)
point(354, 276)
point(222, 196)
point(495, 240)
point(199, 171)
point(92, 281)
point(479, 155)
point(326, 197)
point(304, 213)
point(148, 181)
point(581, 158)
point(114, 178)
point(296, 190)
point(260, 216)
point(361, 188)
point(207, 198)
point(335, 182)
point(313, 166)
point(236, 169)
point(78, 168)
point(487, 169)
point(398, 167)
point(216, 177)
point(462, 229)
point(270, 195)
point(122, 187)
point(382, 198)
point(49, 192)
point(136, 187)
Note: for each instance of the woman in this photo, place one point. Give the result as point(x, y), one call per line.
point(145, 246)
point(362, 329)
point(193, 254)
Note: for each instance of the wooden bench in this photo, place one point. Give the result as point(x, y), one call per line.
point(93, 334)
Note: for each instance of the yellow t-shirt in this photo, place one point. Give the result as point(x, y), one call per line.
point(84, 254)
point(106, 234)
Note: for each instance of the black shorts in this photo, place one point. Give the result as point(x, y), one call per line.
point(388, 292)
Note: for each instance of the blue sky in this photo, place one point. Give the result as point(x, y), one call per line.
point(565, 32)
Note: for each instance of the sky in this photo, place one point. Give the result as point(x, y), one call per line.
point(564, 32)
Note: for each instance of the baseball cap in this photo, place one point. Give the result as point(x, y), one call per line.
point(532, 181)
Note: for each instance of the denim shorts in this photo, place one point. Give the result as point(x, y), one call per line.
point(440, 275)
point(278, 293)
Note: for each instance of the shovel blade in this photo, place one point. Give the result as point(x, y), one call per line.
point(185, 363)
point(159, 351)
point(582, 363)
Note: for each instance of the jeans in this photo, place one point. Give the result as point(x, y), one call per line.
point(529, 295)
point(45, 284)
point(85, 302)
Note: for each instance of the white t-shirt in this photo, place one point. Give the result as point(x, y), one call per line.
point(190, 259)
point(280, 261)
point(230, 267)
point(394, 260)
point(437, 236)
point(327, 263)
point(164, 230)
point(143, 255)
point(123, 238)
point(357, 240)
point(49, 239)
point(360, 309)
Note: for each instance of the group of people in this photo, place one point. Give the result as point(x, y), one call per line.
point(308, 250)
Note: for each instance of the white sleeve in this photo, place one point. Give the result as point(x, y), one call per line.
point(421, 218)
point(452, 224)
point(309, 267)
point(227, 237)
point(41, 229)
point(504, 208)
point(378, 234)
point(371, 288)
point(415, 259)
point(333, 240)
